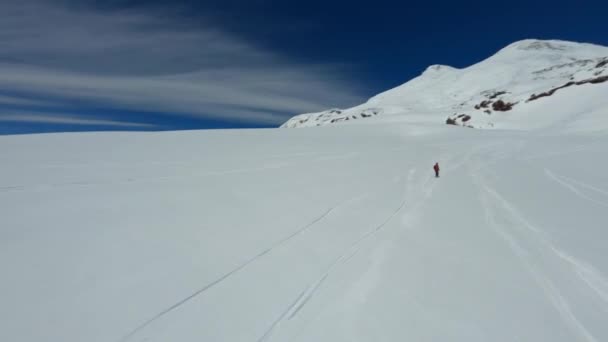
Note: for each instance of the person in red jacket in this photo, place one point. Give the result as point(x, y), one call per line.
point(436, 168)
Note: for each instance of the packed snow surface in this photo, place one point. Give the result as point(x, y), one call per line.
point(330, 234)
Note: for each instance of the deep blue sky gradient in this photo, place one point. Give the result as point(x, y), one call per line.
point(380, 43)
point(389, 42)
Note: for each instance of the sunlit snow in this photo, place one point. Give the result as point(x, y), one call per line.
point(338, 233)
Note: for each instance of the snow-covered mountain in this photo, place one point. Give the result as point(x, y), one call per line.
point(528, 84)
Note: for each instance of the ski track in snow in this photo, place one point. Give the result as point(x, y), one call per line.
point(426, 189)
point(308, 293)
point(302, 299)
point(292, 310)
point(584, 185)
point(544, 155)
point(589, 274)
point(591, 278)
point(238, 268)
point(574, 186)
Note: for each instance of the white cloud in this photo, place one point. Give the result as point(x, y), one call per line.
point(142, 62)
point(47, 118)
point(67, 119)
point(21, 101)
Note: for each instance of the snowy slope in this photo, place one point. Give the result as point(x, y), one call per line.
point(498, 92)
point(330, 234)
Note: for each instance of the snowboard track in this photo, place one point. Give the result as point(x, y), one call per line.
point(304, 296)
point(302, 299)
point(235, 270)
point(540, 250)
point(575, 187)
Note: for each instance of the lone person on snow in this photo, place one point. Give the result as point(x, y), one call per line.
point(436, 168)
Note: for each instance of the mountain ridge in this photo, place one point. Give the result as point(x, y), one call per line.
point(504, 82)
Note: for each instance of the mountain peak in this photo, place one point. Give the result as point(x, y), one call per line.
point(554, 47)
point(538, 45)
point(438, 68)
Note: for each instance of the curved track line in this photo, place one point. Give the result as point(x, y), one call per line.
point(548, 286)
point(568, 185)
point(234, 271)
point(297, 305)
point(585, 185)
point(426, 191)
point(581, 184)
point(587, 273)
point(292, 310)
point(580, 148)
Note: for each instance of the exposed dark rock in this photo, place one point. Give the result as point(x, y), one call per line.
point(544, 94)
point(602, 63)
point(370, 112)
point(496, 94)
point(458, 119)
point(483, 104)
point(502, 106)
point(550, 92)
point(595, 80)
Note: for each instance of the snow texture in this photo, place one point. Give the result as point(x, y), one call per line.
point(338, 233)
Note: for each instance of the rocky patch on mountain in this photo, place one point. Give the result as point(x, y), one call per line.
point(552, 91)
point(498, 106)
point(458, 120)
point(502, 106)
point(483, 104)
point(496, 94)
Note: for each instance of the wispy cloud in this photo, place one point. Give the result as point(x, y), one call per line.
point(140, 61)
point(22, 101)
point(62, 119)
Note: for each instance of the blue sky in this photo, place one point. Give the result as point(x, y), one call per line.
point(160, 65)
